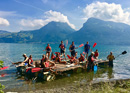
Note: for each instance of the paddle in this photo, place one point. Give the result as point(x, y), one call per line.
point(81, 45)
point(3, 68)
point(68, 56)
point(124, 52)
point(94, 45)
point(37, 69)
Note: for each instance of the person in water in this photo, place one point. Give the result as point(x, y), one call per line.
point(72, 49)
point(59, 59)
point(91, 60)
point(62, 49)
point(96, 54)
point(81, 58)
point(53, 57)
point(48, 50)
point(86, 49)
point(110, 57)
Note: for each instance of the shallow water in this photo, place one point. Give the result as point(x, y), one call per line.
point(13, 53)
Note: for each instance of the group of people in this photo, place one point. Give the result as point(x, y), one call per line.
point(46, 62)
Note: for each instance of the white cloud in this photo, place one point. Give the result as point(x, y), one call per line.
point(4, 22)
point(108, 12)
point(44, 1)
point(49, 16)
point(7, 13)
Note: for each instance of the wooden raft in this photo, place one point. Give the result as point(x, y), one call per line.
point(64, 67)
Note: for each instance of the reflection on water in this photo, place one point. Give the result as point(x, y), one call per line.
point(13, 53)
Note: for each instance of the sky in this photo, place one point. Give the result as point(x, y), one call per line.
point(25, 15)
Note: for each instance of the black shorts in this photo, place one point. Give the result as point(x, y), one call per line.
point(73, 53)
point(62, 51)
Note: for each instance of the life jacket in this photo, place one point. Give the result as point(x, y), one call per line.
point(48, 48)
point(30, 59)
point(72, 47)
point(53, 57)
point(96, 54)
point(82, 58)
point(62, 46)
point(90, 59)
point(46, 64)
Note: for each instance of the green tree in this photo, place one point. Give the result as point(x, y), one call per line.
point(1, 86)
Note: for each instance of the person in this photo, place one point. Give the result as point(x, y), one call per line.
point(91, 62)
point(62, 49)
point(76, 55)
point(42, 61)
point(86, 49)
point(53, 57)
point(58, 59)
point(74, 60)
point(96, 54)
point(72, 49)
point(110, 57)
point(47, 65)
point(25, 62)
point(30, 62)
point(48, 50)
point(81, 58)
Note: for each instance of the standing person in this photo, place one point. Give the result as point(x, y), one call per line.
point(72, 49)
point(62, 49)
point(86, 49)
point(91, 62)
point(48, 50)
point(110, 57)
point(96, 54)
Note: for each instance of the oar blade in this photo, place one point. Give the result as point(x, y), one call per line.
point(94, 45)
point(68, 56)
point(81, 45)
point(3, 68)
point(124, 52)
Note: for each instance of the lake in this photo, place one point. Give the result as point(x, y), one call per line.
point(12, 52)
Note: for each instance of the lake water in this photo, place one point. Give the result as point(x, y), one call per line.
point(13, 53)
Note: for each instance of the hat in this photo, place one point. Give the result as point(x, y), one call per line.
point(24, 54)
point(92, 53)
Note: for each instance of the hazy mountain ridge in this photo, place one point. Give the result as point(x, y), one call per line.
point(94, 30)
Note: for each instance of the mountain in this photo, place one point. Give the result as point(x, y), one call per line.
point(52, 32)
point(3, 32)
point(102, 32)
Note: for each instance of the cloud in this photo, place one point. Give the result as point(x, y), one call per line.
point(7, 13)
point(4, 22)
point(44, 1)
point(49, 16)
point(107, 12)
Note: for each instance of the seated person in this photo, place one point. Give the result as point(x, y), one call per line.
point(58, 59)
point(30, 62)
point(47, 64)
point(76, 55)
point(42, 61)
point(81, 58)
point(96, 54)
point(73, 60)
point(53, 57)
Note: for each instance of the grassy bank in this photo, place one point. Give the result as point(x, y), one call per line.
point(119, 86)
